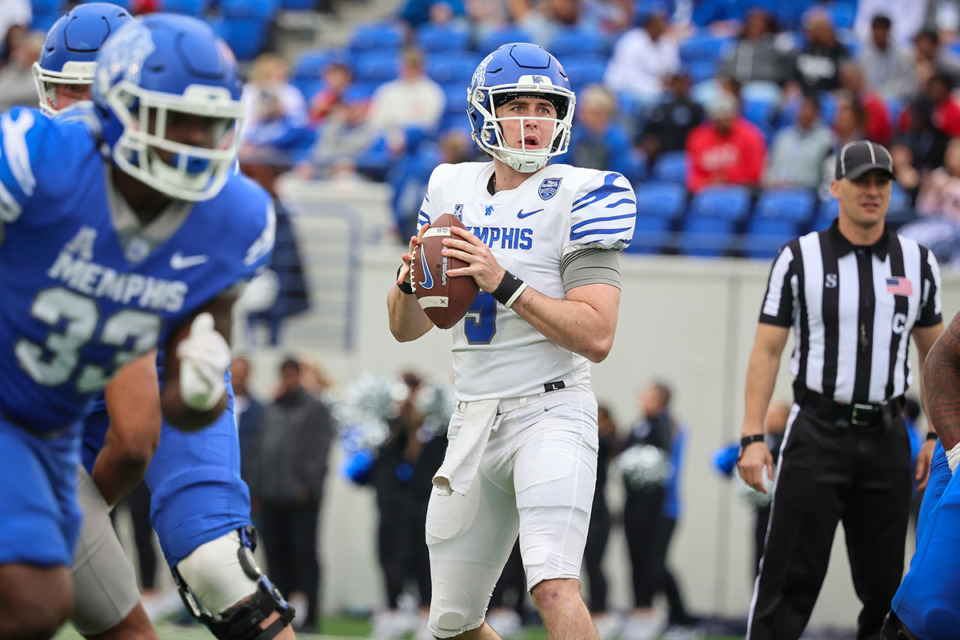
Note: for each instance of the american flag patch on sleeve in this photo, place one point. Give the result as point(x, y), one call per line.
point(900, 286)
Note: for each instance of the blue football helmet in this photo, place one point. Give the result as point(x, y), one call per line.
point(513, 71)
point(70, 48)
point(159, 69)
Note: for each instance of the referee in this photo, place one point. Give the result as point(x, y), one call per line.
point(853, 295)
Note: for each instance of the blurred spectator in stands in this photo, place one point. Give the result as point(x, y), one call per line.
point(876, 126)
point(608, 622)
point(849, 119)
point(906, 17)
point(798, 151)
point(545, 18)
point(276, 113)
point(402, 477)
point(15, 19)
point(888, 66)
point(642, 58)
point(609, 16)
point(288, 480)
point(757, 55)
point(408, 175)
point(485, 16)
point(721, 17)
point(249, 412)
point(946, 108)
point(419, 12)
point(600, 140)
point(672, 120)
point(727, 149)
point(816, 66)
point(940, 191)
point(943, 17)
point(412, 100)
point(920, 148)
point(334, 96)
point(16, 77)
point(281, 291)
point(930, 58)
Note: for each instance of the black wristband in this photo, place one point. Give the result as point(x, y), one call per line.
point(509, 289)
point(931, 435)
point(404, 286)
point(746, 441)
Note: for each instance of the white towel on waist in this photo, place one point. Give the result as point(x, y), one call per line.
point(462, 460)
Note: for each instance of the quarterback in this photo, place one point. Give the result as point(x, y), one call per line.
point(105, 217)
point(542, 243)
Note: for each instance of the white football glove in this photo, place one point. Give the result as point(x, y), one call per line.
point(204, 359)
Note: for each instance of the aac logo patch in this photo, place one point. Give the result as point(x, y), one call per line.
point(548, 188)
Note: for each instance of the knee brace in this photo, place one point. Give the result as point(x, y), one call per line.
point(240, 621)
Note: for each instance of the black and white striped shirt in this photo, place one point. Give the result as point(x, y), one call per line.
point(852, 341)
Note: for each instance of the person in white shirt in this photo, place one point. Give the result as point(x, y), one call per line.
point(642, 58)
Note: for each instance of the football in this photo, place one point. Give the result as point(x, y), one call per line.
point(444, 299)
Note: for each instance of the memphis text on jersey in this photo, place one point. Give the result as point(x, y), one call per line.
point(75, 268)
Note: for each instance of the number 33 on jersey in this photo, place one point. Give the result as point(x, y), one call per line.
point(80, 298)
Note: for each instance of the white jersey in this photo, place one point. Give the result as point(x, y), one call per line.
point(556, 211)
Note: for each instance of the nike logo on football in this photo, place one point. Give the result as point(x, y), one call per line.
point(179, 261)
point(521, 214)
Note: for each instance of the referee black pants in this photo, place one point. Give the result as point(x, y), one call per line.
point(859, 476)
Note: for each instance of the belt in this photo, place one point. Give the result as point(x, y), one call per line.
point(858, 414)
point(512, 404)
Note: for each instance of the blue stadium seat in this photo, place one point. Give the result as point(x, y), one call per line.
point(452, 68)
point(250, 10)
point(196, 8)
point(760, 111)
point(765, 236)
point(706, 236)
point(376, 35)
point(376, 66)
point(828, 107)
point(433, 38)
point(246, 37)
point(843, 14)
point(901, 208)
point(568, 44)
point(495, 39)
point(298, 5)
point(791, 205)
point(728, 202)
point(671, 167)
point(311, 62)
point(703, 46)
point(585, 70)
point(667, 200)
point(826, 214)
point(456, 99)
point(650, 235)
point(701, 70)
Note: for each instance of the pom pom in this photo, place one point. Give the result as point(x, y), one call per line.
point(751, 496)
point(645, 467)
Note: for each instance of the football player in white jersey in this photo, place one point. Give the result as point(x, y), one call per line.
point(542, 243)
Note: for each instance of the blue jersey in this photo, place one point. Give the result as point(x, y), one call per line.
point(79, 300)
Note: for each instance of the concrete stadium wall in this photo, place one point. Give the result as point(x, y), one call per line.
point(689, 322)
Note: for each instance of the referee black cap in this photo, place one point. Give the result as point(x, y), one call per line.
point(856, 158)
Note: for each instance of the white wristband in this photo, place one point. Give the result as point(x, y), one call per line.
point(953, 457)
point(516, 294)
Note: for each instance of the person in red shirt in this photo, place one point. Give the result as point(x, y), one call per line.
point(727, 149)
point(877, 127)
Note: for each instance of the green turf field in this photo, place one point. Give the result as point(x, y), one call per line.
point(335, 628)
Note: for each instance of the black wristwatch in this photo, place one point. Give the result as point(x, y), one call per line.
point(746, 441)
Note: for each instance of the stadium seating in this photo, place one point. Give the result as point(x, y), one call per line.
point(671, 167)
point(794, 206)
point(376, 35)
point(433, 38)
point(651, 233)
point(726, 202)
point(376, 66)
point(452, 67)
point(584, 70)
point(764, 236)
point(196, 8)
point(706, 237)
point(826, 214)
point(495, 39)
point(703, 46)
point(569, 44)
point(667, 200)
